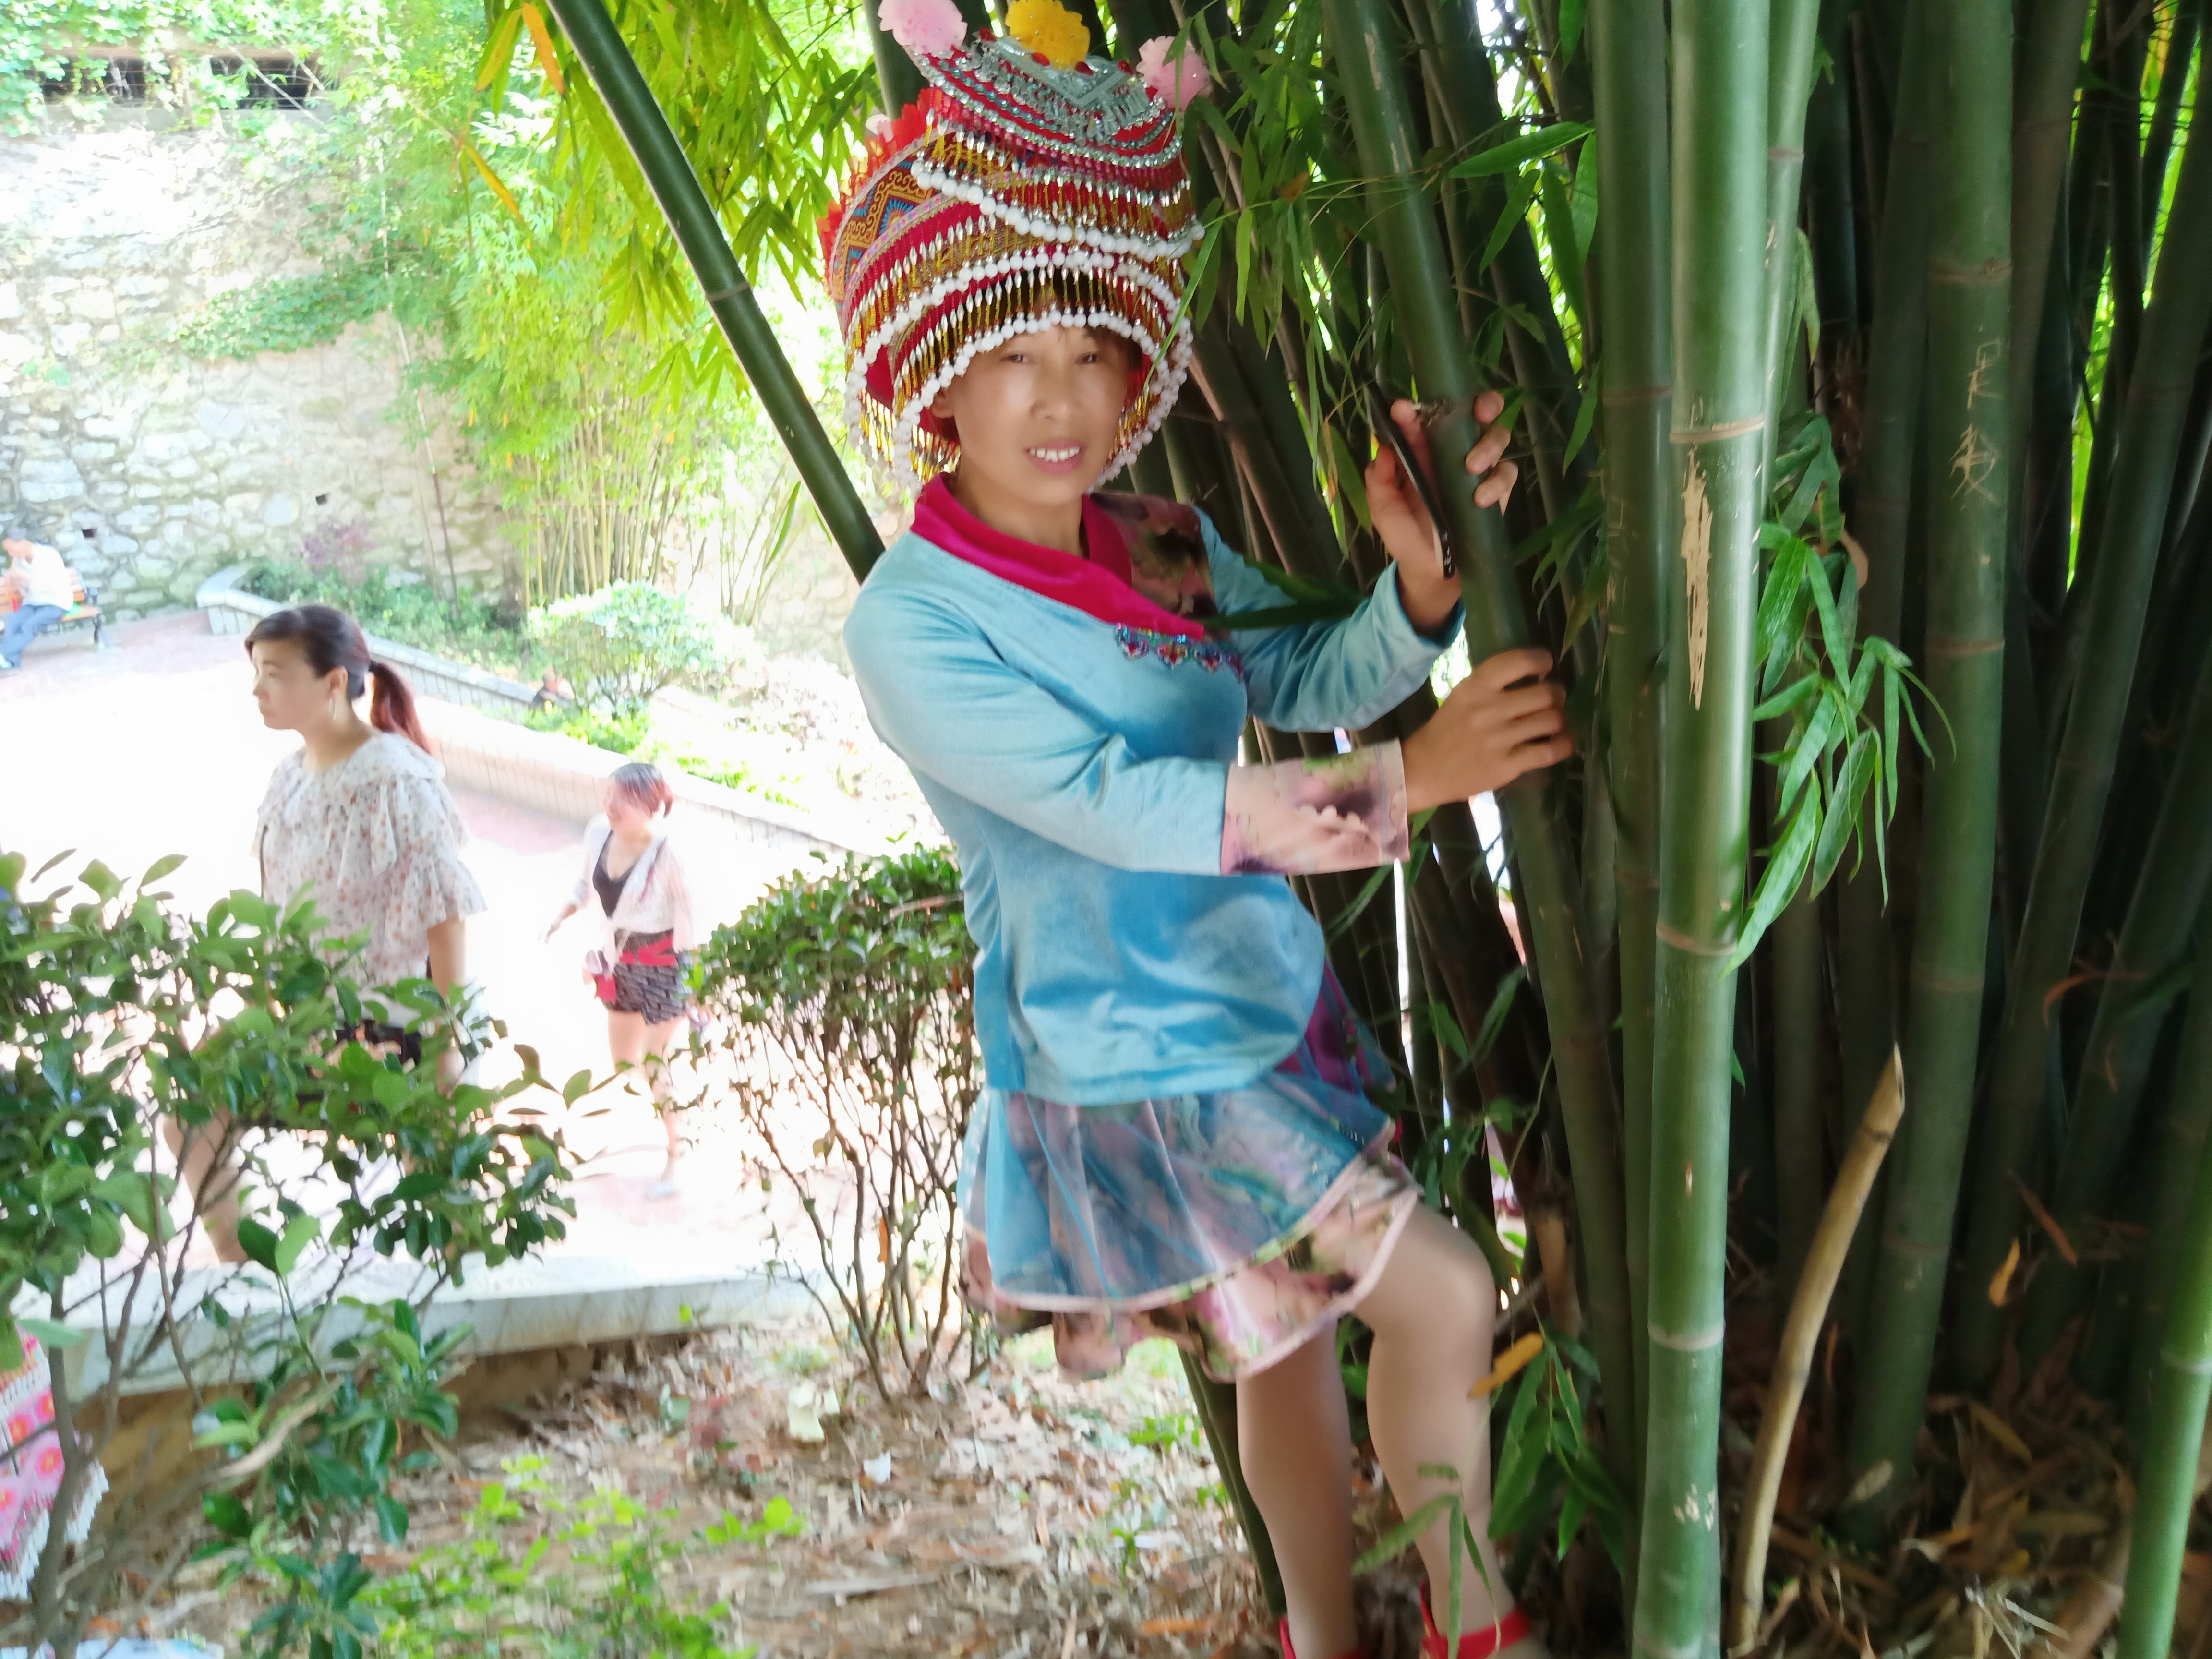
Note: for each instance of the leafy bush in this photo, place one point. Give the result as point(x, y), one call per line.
point(622, 733)
point(494, 1592)
point(116, 1012)
point(622, 644)
point(853, 990)
point(471, 629)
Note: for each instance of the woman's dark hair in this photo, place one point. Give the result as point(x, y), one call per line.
point(330, 638)
point(641, 785)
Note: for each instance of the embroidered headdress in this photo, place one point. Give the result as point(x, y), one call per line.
point(1031, 186)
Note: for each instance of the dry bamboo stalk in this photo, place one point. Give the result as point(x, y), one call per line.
point(1549, 1228)
point(1793, 1361)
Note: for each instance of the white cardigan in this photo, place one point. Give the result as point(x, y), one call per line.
point(655, 896)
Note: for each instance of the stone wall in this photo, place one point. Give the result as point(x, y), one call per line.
point(151, 470)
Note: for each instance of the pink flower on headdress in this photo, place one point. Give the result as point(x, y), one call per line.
point(1176, 82)
point(926, 29)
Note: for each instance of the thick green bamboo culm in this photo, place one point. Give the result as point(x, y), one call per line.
point(1969, 313)
point(2120, 584)
point(2042, 119)
point(1370, 58)
point(2166, 1479)
point(614, 73)
point(1628, 65)
point(1865, 959)
point(2155, 940)
point(1719, 196)
point(1793, 27)
point(2180, 1145)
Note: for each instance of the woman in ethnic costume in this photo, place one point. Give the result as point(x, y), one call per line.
point(1177, 1137)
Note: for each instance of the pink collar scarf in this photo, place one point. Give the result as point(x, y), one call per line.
point(1098, 586)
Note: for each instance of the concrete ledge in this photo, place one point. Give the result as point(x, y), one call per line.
point(231, 610)
point(518, 1307)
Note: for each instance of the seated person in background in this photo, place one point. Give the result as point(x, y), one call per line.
point(44, 590)
point(553, 691)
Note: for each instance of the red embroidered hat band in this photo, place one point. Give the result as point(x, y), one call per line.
point(1030, 187)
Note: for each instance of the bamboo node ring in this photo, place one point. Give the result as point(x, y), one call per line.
point(1694, 1342)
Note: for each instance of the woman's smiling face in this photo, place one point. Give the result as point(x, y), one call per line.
point(1039, 416)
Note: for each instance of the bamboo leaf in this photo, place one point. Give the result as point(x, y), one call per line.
point(1844, 808)
point(1826, 728)
point(1514, 153)
point(542, 40)
point(1773, 639)
point(505, 195)
point(1517, 198)
point(1571, 38)
point(1788, 698)
point(1585, 420)
point(1809, 295)
point(500, 49)
point(1560, 236)
point(1493, 1020)
point(1784, 875)
point(1570, 1517)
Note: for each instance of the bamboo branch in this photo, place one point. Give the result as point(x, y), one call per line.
point(1801, 1336)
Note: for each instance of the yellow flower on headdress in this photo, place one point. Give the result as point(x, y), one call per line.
point(1046, 27)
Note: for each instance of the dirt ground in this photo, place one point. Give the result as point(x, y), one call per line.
point(1019, 1514)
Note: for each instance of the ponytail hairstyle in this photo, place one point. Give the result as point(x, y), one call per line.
point(330, 638)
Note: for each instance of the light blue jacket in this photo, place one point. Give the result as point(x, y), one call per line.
point(1080, 768)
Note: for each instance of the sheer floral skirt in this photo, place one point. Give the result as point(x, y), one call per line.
point(1237, 1224)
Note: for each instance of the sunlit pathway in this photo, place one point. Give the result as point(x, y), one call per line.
point(153, 747)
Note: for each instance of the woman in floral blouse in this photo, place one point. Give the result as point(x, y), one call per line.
point(358, 819)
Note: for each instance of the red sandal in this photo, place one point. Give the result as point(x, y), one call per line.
point(1290, 1653)
point(1473, 1644)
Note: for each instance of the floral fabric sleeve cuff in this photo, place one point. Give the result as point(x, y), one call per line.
point(1304, 816)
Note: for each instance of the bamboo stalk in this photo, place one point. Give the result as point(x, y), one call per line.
point(1368, 53)
point(2175, 1441)
point(2181, 1145)
point(1866, 962)
point(2155, 939)
point(1801, 1336)
point(2158, 397)
point(1789, 84)
point(614, 74)
point(1720, 78)
point(1969, 303)
point(2043, 118)
point(1217, 1415)
point(1628, 56)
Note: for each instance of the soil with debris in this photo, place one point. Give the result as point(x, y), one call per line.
point(1019, 1514)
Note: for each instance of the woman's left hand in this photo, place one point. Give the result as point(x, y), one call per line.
point(1407, 535)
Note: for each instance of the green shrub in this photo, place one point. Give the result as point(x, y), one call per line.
point(621, 645)
point(844, 1000)
point(470, 629)
point(622, 733)
point(118, 1011)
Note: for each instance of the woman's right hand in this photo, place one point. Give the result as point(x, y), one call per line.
point(1500, 721)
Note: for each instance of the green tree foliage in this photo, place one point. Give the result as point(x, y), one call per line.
point(621, 645)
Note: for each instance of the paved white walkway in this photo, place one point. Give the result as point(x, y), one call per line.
point(153, 747)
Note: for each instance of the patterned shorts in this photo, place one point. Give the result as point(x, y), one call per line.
point(650, 977)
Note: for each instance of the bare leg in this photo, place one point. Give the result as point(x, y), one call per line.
point(1433, 1312)
point(657, 1041)
point(1294, 1440)
point(211, 1177)
point(631, 1041)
